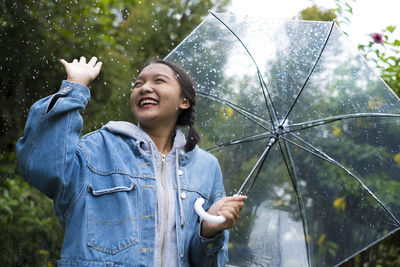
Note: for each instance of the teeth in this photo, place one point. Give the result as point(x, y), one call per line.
point(148, 101)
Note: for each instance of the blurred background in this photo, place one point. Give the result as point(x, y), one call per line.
point(34, 35)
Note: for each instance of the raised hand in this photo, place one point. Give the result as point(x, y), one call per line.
point(230, 208)
point(80, 71)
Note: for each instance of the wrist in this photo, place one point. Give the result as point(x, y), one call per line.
point(85, 83)
point(207, 231)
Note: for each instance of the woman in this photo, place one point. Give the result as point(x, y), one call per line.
point(125, 194)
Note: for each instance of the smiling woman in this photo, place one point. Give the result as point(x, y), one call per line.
point(124, 193)
point(167, 80)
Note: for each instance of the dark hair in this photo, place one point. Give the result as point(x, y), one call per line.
point(188, 91)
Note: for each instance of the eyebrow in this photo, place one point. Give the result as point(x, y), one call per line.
point(156, 75)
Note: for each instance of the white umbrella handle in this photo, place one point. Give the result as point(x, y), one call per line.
point(198, 207)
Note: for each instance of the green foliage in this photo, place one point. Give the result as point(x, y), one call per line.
point(385, 57)
point(383, 254)
point(34, 36)
point(30, 234)
point(344, 11)
point(317, 14)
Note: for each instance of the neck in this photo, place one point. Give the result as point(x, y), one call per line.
point(162, 138)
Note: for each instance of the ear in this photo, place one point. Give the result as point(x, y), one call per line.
point(185, 103)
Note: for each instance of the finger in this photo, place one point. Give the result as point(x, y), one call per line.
point(239, 197)
point(64, 63)
point(82, 60)
point(98, 66)
point(235, 198)
point(230, 213)
point(92, 61)
point(75, 61)
point(234, 203)
point(231, 219)
point(237, 207)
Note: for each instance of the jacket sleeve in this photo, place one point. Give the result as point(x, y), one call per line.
point(47, 151)
point(211, 251)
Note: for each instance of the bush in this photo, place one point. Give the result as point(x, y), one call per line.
point(384, 52)
point(30, 234)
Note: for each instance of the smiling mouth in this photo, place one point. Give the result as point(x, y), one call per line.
point(147, 102)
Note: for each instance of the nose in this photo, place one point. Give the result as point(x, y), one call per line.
point(146, 88)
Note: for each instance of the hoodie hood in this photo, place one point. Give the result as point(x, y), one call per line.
point(142, 138)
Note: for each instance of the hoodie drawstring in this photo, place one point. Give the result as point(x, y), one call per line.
point(178, 182)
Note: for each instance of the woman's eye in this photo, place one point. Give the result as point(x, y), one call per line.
point(159, 80)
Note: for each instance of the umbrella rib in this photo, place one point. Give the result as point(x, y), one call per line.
point(329, 159)
point(310, 73)
point(261, 160)
point(263, 157)
point(246, 139)
point(267, 97)
point(292, 172)
point(368, 246)
point(184, 40)
point(242, 111)
point(314, 123)
point(264, 88)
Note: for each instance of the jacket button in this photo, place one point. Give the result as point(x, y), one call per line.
point(181, 256)
point(183, 195)
point(180, 172)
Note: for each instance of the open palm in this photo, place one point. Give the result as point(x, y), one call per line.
point(80, 71)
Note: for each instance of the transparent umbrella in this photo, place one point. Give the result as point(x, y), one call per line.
point(303, 127)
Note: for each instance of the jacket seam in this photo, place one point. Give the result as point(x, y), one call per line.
point(41, 121)
point(112, 171)
point(63, 188)
point(203, 195)
point(75, 200)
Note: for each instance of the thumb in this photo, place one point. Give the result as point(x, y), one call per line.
point(64, 63)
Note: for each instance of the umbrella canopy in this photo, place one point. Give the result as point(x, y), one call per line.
point(304, 128)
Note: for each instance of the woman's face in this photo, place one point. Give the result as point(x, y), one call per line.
point(156, 98)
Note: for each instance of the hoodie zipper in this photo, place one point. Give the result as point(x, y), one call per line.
point(163, 234)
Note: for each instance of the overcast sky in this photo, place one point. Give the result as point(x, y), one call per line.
point(368, 15)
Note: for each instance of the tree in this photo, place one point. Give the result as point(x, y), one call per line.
point(318, 14)
point(34, 36)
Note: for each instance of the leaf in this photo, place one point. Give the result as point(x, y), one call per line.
point(390, 28)
point(321, 239)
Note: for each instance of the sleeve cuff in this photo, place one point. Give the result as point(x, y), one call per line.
point(214, 244)
point(75, 90)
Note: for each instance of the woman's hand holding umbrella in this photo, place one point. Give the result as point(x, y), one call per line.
point(229, 208)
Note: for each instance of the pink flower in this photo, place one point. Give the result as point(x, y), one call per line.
point(377, 37)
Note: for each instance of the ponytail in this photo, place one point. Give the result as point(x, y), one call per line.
point(194, 136)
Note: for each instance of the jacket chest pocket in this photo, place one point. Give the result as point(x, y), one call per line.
point(112, 216)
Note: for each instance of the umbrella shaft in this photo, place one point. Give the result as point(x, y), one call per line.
point(272, 141)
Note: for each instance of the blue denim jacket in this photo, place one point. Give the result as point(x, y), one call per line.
point(104, 188)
